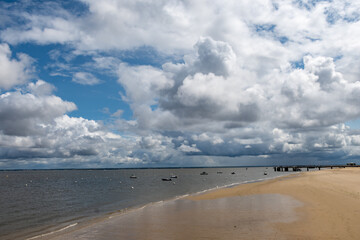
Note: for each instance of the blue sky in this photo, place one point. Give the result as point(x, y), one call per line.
point(178, 83)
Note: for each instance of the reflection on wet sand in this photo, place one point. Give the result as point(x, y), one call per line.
point(246, 217)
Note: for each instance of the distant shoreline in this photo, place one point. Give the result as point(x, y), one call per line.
point(129, 168)
point(193, 167)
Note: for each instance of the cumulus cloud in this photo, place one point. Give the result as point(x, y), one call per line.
point(14, 71)
point(241, 80)
point(23, 114)
point(317, 95)
point(66, 137)
point(214, 57)
point(40, 88)
point(193, 91)
point(35, 127)
point(290, 110)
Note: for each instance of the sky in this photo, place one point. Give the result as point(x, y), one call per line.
point(171, 83)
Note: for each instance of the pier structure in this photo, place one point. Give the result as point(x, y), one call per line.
point(308, 167)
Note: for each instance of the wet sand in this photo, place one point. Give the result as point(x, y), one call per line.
point(313, 205)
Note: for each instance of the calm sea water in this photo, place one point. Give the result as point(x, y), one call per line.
point(35, 202)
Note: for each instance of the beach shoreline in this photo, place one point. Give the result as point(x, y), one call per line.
point(52, 206)
point(330, 200)
point(63, 228)
point(310, 205)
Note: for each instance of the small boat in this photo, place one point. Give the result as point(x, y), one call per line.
point(166, 179)
point(265, 173)
point(173, 176)
point(219, 172)
point(233, 173)
point(204, 173)
point(133, 176)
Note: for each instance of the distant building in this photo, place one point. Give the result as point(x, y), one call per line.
point(351, 164)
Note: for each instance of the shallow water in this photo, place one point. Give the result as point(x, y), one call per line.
point(246, 217)
point(34, 202)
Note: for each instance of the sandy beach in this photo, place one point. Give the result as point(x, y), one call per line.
point(310, 205)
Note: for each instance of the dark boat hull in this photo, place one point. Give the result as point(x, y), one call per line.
point(166, 179)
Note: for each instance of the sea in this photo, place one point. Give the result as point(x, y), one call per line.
point(37, 202)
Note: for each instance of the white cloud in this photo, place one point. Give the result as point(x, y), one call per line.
point(23, 114)
point(40, 88)
point(67, 137)
point(44, 29)
point(188, 149)
point(12, 71)
point(142, 85)
point(85, 78)
point(118, 113)
point(214, 57)
point(316, 96)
